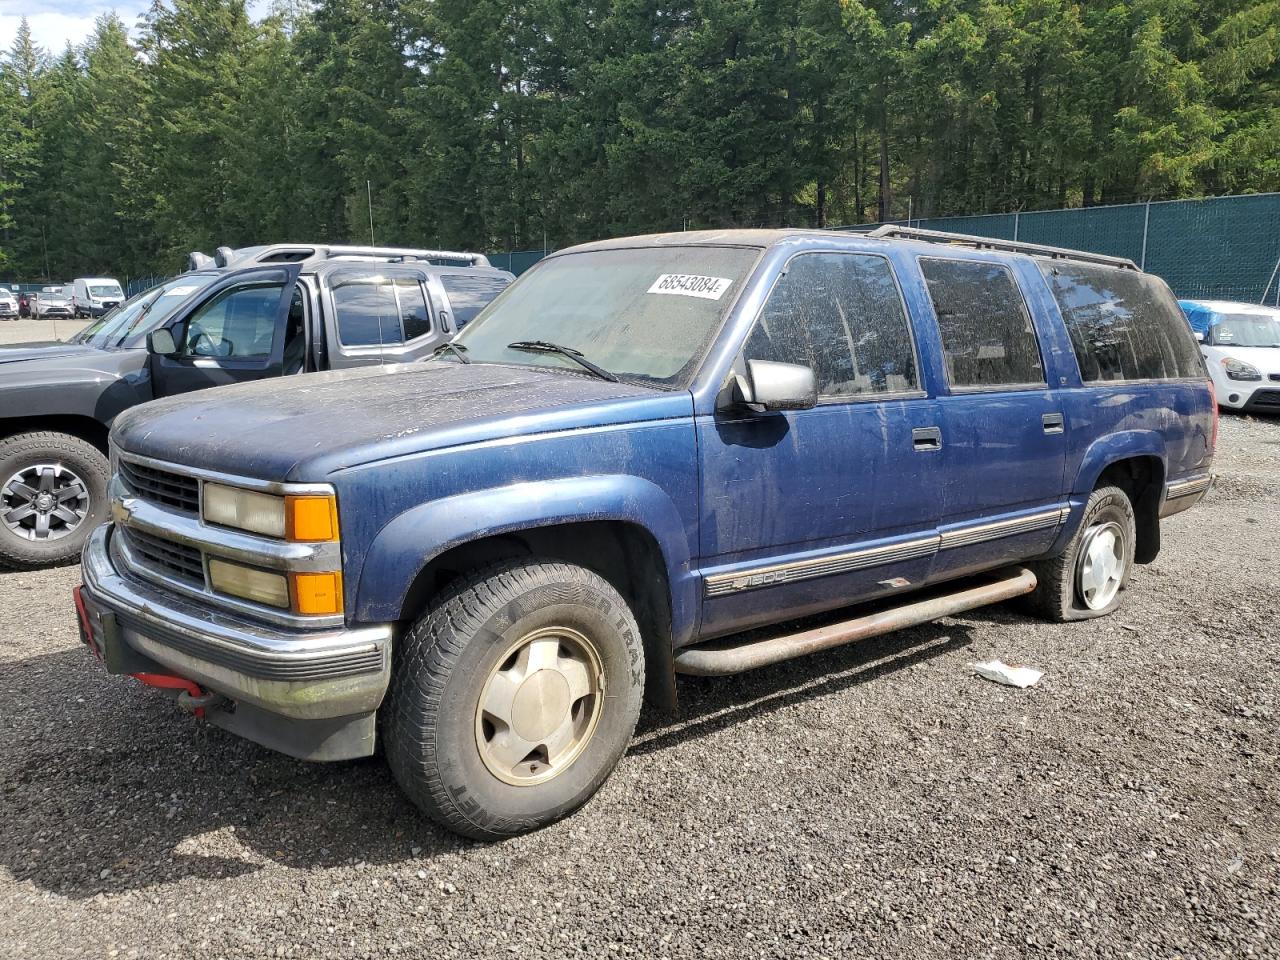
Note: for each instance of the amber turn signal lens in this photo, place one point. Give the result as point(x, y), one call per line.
point(317, 593)
point(310, 519)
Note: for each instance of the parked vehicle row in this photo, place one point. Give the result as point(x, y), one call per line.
point(643, 448)
point(245, 315)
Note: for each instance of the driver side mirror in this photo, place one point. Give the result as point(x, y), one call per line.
point(770, 386)
point(160, 342)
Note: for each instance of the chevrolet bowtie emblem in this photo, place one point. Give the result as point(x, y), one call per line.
point(122, 509)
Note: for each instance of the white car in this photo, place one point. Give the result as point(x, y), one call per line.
point(1241, 346)
point(94, 296)
point(8, 304)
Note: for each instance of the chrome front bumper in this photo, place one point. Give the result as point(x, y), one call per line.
point(316, 675)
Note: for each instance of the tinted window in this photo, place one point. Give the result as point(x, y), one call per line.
point(415, 318)
point(468, 295)
point(1124, 325)
point(840, 314)
point(240, 322)
point(366, 312)
point(987, 336)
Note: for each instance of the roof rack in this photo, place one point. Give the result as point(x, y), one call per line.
point(301, 252)
point(891, 232)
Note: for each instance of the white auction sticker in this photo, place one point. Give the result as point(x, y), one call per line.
point(691, 285)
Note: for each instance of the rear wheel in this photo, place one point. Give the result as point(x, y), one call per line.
point(53, 492)
point(1085, 580)
point(513, 698)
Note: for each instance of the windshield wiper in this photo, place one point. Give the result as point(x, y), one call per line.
point(458, 349)
point(545, 346)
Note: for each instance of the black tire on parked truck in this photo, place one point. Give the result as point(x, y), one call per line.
point(53, 493)
point(513, 697)
point(1086, 579)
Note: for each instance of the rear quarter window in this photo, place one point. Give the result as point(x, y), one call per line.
point(470, 293)
point(1124, 325)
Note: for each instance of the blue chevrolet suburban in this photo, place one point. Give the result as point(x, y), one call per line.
point(641, 449)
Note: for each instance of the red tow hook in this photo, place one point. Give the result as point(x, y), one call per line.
point(168, 682)
point(86, 629)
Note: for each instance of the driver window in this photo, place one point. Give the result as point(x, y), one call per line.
point(238, 323)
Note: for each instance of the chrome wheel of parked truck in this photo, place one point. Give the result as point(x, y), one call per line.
point(697, 453)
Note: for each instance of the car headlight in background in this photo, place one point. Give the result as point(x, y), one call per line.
point(308, 518)
point(1239, 370)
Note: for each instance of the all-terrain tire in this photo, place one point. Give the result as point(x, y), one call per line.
point(1059, 595)
point(431, 726)
point(24, 451)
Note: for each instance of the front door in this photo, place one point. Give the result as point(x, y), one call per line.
point(243, 329)
point(814, 509)
point(1003, 429)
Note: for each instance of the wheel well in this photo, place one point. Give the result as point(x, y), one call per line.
point(86, 428)
point(626, 555)
point(1142, 480)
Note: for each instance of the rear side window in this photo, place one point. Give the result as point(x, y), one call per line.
point(380, 310)
point(1124, 325)
point(841, 314)
point(987, 333)
point(469, 294)
point(987, 336)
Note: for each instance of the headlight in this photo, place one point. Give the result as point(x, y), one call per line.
point(249, 583)
point(1239, 370)
point(310, 594)
point(302, 518)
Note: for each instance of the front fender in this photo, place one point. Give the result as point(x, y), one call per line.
point(410, 541)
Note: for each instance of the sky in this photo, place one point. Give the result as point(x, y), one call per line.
point(54, 23)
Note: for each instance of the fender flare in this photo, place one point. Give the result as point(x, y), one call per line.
point(1101, 454)
point(405, 545)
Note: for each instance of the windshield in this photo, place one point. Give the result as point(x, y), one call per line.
point(128, 324)
point(1244, 330)
point(645, 313)
point(104, 290)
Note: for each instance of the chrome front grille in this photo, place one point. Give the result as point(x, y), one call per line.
point(161, 486)
point(167, 557)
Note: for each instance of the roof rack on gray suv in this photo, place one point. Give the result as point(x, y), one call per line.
point(307, 253)
point(892, 232)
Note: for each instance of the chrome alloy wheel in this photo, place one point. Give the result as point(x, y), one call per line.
point(1100, 568)
point(45, 501)
point(540, 706)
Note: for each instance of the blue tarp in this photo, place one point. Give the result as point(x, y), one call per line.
point(1200, 317)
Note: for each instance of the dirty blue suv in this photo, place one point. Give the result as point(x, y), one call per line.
point(641, 450)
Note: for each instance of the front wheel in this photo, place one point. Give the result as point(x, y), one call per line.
point(513, 697)
point(53, 492)
point(1085, 580)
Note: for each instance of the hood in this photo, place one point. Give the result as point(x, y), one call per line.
point(306, 427)
point(1266, 359)
point(46, 350)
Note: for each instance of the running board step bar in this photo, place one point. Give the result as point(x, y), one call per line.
point(707, 660)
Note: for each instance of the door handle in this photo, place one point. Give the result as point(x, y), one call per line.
point(926, 439)
point(1053, 422)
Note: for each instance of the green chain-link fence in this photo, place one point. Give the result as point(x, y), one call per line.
point(1225, 248)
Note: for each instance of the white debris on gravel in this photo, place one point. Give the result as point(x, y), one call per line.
point(1010, 676)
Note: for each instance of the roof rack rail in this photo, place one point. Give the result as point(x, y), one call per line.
point(890, 232)
point(307, 252)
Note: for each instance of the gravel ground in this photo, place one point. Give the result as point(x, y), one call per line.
point(24, 331)
point(876, 801)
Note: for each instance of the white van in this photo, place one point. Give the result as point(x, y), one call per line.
point(94, 296)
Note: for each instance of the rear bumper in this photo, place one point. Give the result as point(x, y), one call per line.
point(275, 676)
point(1184, 493)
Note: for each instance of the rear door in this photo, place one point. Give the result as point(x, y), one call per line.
point(378, 313)
point(1003, 429)
point(465, 293)
point(238, 331)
